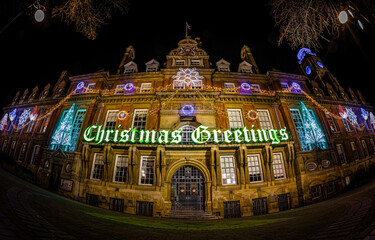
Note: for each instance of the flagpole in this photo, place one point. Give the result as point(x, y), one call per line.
point(185, 30)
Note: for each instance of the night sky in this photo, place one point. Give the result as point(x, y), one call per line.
point(36, 53)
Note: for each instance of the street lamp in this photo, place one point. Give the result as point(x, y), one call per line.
point(343, 17)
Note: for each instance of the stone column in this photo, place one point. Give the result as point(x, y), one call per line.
point(214, 149)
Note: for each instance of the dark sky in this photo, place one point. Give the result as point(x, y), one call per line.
point(35, 54)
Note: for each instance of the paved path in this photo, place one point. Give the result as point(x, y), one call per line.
point(34, 226)
point(345, 226)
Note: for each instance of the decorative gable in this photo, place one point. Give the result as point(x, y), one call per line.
point(16, 97)
point(23, 96)
point(45, 92)
point(245, 67)
point(33, 94)
point(130, 67)
point(152, 66)
point(223, 66)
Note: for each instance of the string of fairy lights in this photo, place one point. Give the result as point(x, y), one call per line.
point(129, 88)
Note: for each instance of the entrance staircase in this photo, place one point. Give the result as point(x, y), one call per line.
point(190, 215)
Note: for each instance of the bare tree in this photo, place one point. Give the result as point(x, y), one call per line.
point(305, 23)
point(88, 15)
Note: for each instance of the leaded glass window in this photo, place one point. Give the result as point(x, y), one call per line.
point(121, 168)
point(364, 147)
point(111, 119)
point(145, 87)
point(278, 166)
point(255, 168)
point(229, 87)
point(77, 123)
point(35, 154)
point(354, 150)
point(228, 171)
point(186, 132)
point(140, 119)
point(235, 118)
point(341, 153)
point(264, 119)
point(119, 89)
point(98, 166)
point(147, 170)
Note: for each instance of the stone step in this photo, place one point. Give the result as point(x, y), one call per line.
point(190, 215)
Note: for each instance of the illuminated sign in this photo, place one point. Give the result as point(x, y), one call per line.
point(200, 135)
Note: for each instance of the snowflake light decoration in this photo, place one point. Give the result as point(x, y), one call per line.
point(343, 112)
point(4, 122)
point(351, 115)
point(187, 110)
point(245, 86)
point(34, 114)
point(187, 77)
point(24, 117)
point(372, 118)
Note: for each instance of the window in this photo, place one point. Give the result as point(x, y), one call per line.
point(179, 62)
point(130, 70)
point(228, 170)
point(264, 119)
point(12, 147)
point(30, 126)
point(145, 87)
point(195, 62)
point(298, 122)
point(278, 166)
point(146, 175)
point(255, 88)
point(364, 147)
point(331, 123)
point(255, 168)
point(187, 130)
point(223, 68)
point(120, 89)
point(260, 206)
point(285, 86)
point(44, 124)
point(121, 168)
point(140, 118)
point(98, 166)
point(111, 119)
point(346, 125)
point(284, 201)
point(90, 87)
point(341, 153)
point(92, 199)
point(116, 204)
point(77, 123)
point(21, 155)
point(229, 87)
point(5, 143)
point(316, 191)
point(331, 188)
point(373, 145)
point(196, 84)
point(232, 209)
point(178, 84)
point(79, 88)
point(235, 118)
point(35, 154)
point(354, 150)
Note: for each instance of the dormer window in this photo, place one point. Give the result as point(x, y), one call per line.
point(195, 62)
point(223, 66)
point(152, 66)
point(285, 86)
point(255, 88)
point(145, 87)
point(119, 89)
point(130, 67)
point(245, 67)
point(90, 87)
point(229, 87)
point(179, 62)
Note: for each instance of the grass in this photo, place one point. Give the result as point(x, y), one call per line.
point(88, 222)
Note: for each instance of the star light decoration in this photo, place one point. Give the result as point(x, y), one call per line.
point(187, 77)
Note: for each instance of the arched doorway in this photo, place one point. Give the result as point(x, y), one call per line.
point(187, 189)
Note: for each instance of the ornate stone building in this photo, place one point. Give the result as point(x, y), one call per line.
point(191, 137)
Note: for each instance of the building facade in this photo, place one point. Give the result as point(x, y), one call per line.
point(189, 136)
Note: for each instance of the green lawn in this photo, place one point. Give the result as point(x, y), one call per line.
point(87, 222)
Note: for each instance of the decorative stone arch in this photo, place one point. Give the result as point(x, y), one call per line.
point(201, 167)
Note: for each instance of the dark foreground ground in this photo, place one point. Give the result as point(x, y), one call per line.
point(29, 212)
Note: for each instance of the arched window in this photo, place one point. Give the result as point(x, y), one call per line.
point(187, 130)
